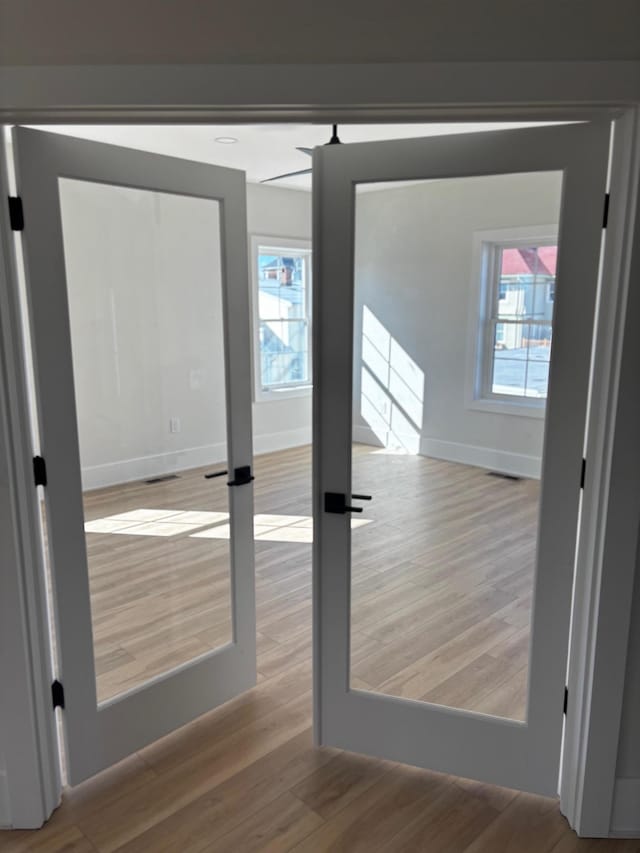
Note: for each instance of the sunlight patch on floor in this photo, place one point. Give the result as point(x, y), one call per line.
point(276, 528)
point(173, 522)
point(154, 522)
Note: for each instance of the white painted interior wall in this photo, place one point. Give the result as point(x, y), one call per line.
point(414, 248)
point(272, 211)
point(251, 31)
point(5, 804)
point(145, 310)
point(626, 808)
point(629, 754)
point(626, 814)
point(6, 536)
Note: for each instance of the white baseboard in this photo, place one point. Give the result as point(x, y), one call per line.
point(516, 464)
point(269, 442)
point(365, 435)
point(144, 467)
point(625, 817)
point(5, 811)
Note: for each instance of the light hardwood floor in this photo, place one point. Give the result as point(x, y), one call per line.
point(441, 586)
point(442, 582)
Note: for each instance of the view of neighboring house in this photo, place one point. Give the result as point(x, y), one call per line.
point(526, 292)
point(282, 297)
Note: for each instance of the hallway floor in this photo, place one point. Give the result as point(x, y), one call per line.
point(441, 596)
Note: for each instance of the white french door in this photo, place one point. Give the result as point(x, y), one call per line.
point(138, 298)
point(441, 617)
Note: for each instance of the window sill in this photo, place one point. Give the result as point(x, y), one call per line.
point(273, 395)
point(500, 406)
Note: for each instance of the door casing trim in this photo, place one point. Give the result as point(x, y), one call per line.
point(615, 93)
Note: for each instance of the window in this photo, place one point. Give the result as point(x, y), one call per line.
point(516, 274)
point(282, 313)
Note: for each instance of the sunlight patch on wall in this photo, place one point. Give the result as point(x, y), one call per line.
point(392, 388)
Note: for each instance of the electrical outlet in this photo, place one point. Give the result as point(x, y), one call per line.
point(174, 425)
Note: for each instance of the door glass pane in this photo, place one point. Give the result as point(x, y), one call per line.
point(145, 306)
point(454, 296)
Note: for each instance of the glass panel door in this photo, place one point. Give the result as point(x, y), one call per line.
point(442, 577)
point(145, 313)
point(444, 268)
point(137, 278)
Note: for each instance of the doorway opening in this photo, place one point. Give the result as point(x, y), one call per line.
point(451, 366)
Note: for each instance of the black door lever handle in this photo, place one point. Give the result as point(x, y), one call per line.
point(361, 497)
point(241, 476)
point(336, 502)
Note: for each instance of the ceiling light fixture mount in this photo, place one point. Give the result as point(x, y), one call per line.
point(335, 140)
point(226, 140)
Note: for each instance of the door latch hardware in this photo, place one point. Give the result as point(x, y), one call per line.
point(57, 694)
point(16, 213)
point(336, 503)
point(39, 471)
point(241, 476)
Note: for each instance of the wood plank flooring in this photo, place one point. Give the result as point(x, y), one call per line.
point(441, 585)
point(246, 776)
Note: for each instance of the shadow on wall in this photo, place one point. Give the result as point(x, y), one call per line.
point(392, 388)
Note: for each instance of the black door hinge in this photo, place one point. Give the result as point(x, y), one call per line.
point(605, 214)
point(583, 473)
point(57, 694)
point(566, 700)
point(16, 214)
point(39, 471)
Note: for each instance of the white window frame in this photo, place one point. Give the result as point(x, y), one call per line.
point(478, 393)
point(294, 247)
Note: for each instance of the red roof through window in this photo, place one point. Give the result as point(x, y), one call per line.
point(529, 261)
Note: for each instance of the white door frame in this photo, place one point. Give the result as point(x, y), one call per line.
point(610, 509)
point(417, 92)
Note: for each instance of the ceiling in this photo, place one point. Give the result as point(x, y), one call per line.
point(262, 150)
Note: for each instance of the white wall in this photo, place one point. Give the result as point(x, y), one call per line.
point(8, 554)
point(629, 754)
point(145, 308)
point(413, 271)
point(626, 809)
point(275, 212)
point(250, 31)
point(626, 479)
point(5, 807)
